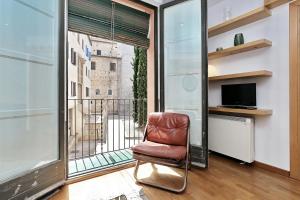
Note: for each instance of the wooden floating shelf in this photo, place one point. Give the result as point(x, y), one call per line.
point(253, 74)
point(274, 3)
point(241, 20)
point(240, 49)
point(238, 111)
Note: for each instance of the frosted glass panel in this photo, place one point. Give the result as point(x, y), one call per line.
point(28, 85)
point(182, 63)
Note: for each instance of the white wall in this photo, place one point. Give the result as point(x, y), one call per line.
point(271, 132)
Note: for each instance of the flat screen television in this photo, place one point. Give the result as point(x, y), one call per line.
point(239, 95)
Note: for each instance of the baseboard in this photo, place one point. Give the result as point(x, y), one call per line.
point(271, 168)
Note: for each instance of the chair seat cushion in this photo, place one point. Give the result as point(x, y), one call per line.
point(160, 150)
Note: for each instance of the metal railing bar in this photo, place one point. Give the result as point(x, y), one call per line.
point(76, 165)
point(95, 132)
point(101, 126)
point(113, 101)
point(119, 123)
point(134, 114)
point(124, 124)
point(143, 125)
point(129, 124)
point(82, 128)
point(75, 151)
point(107, 126)
point(89, 108)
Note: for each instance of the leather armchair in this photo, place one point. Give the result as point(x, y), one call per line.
point(166, 142)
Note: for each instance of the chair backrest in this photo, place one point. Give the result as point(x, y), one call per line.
point(168, 128)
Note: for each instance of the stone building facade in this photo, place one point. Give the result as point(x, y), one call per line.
point(111, 75)
point(79, 82)
point(105, 76)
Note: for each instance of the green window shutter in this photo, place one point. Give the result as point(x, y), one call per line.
point(93, 17)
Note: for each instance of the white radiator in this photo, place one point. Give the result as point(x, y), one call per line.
point(232, 136)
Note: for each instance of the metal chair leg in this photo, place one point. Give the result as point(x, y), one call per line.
point(161, 186)
point(136, 168)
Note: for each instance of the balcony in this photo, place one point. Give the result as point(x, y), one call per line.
point(101, 132)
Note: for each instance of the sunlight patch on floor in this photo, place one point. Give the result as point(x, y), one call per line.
point(148, 169)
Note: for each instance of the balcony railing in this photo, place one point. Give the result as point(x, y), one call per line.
point(101, 132)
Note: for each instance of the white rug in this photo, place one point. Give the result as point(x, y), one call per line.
point(108, 187)
point(135, 194)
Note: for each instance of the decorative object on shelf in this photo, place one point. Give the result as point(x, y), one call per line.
point(219, 49)
point(239, 39)
point(227, 13)
point(262, 43)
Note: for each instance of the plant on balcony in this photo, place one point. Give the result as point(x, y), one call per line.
point(140, 85)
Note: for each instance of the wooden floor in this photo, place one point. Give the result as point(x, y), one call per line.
point(224, 179)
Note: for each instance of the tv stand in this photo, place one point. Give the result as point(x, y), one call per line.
point(239, 111)
point(239, 107)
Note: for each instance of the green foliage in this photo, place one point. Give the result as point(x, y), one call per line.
point(135, 65)
point(140, 85)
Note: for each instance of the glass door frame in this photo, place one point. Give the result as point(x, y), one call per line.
point(204, 102)
point(37, 182)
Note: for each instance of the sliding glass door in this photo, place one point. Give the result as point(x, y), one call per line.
point(184, 68)
point(32, 96)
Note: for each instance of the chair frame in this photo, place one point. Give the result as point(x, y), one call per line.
point(167, 162)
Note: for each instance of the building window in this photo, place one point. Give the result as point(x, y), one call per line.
point(86, 51)
point(97, 91)
point(82, 44)
point(87, 92)
point(90, 56)
point(73, 89)
point(93, 65)
point(78, 38)
point(98, 52)
point(109, 92)
point(112, 67)
point(73, 56)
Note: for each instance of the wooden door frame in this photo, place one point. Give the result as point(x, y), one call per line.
point(295, 90)
point(152, 51)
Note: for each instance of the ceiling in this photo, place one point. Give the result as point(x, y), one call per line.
point(213, 2)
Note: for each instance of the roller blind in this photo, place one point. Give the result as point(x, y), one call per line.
point(94, 17)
